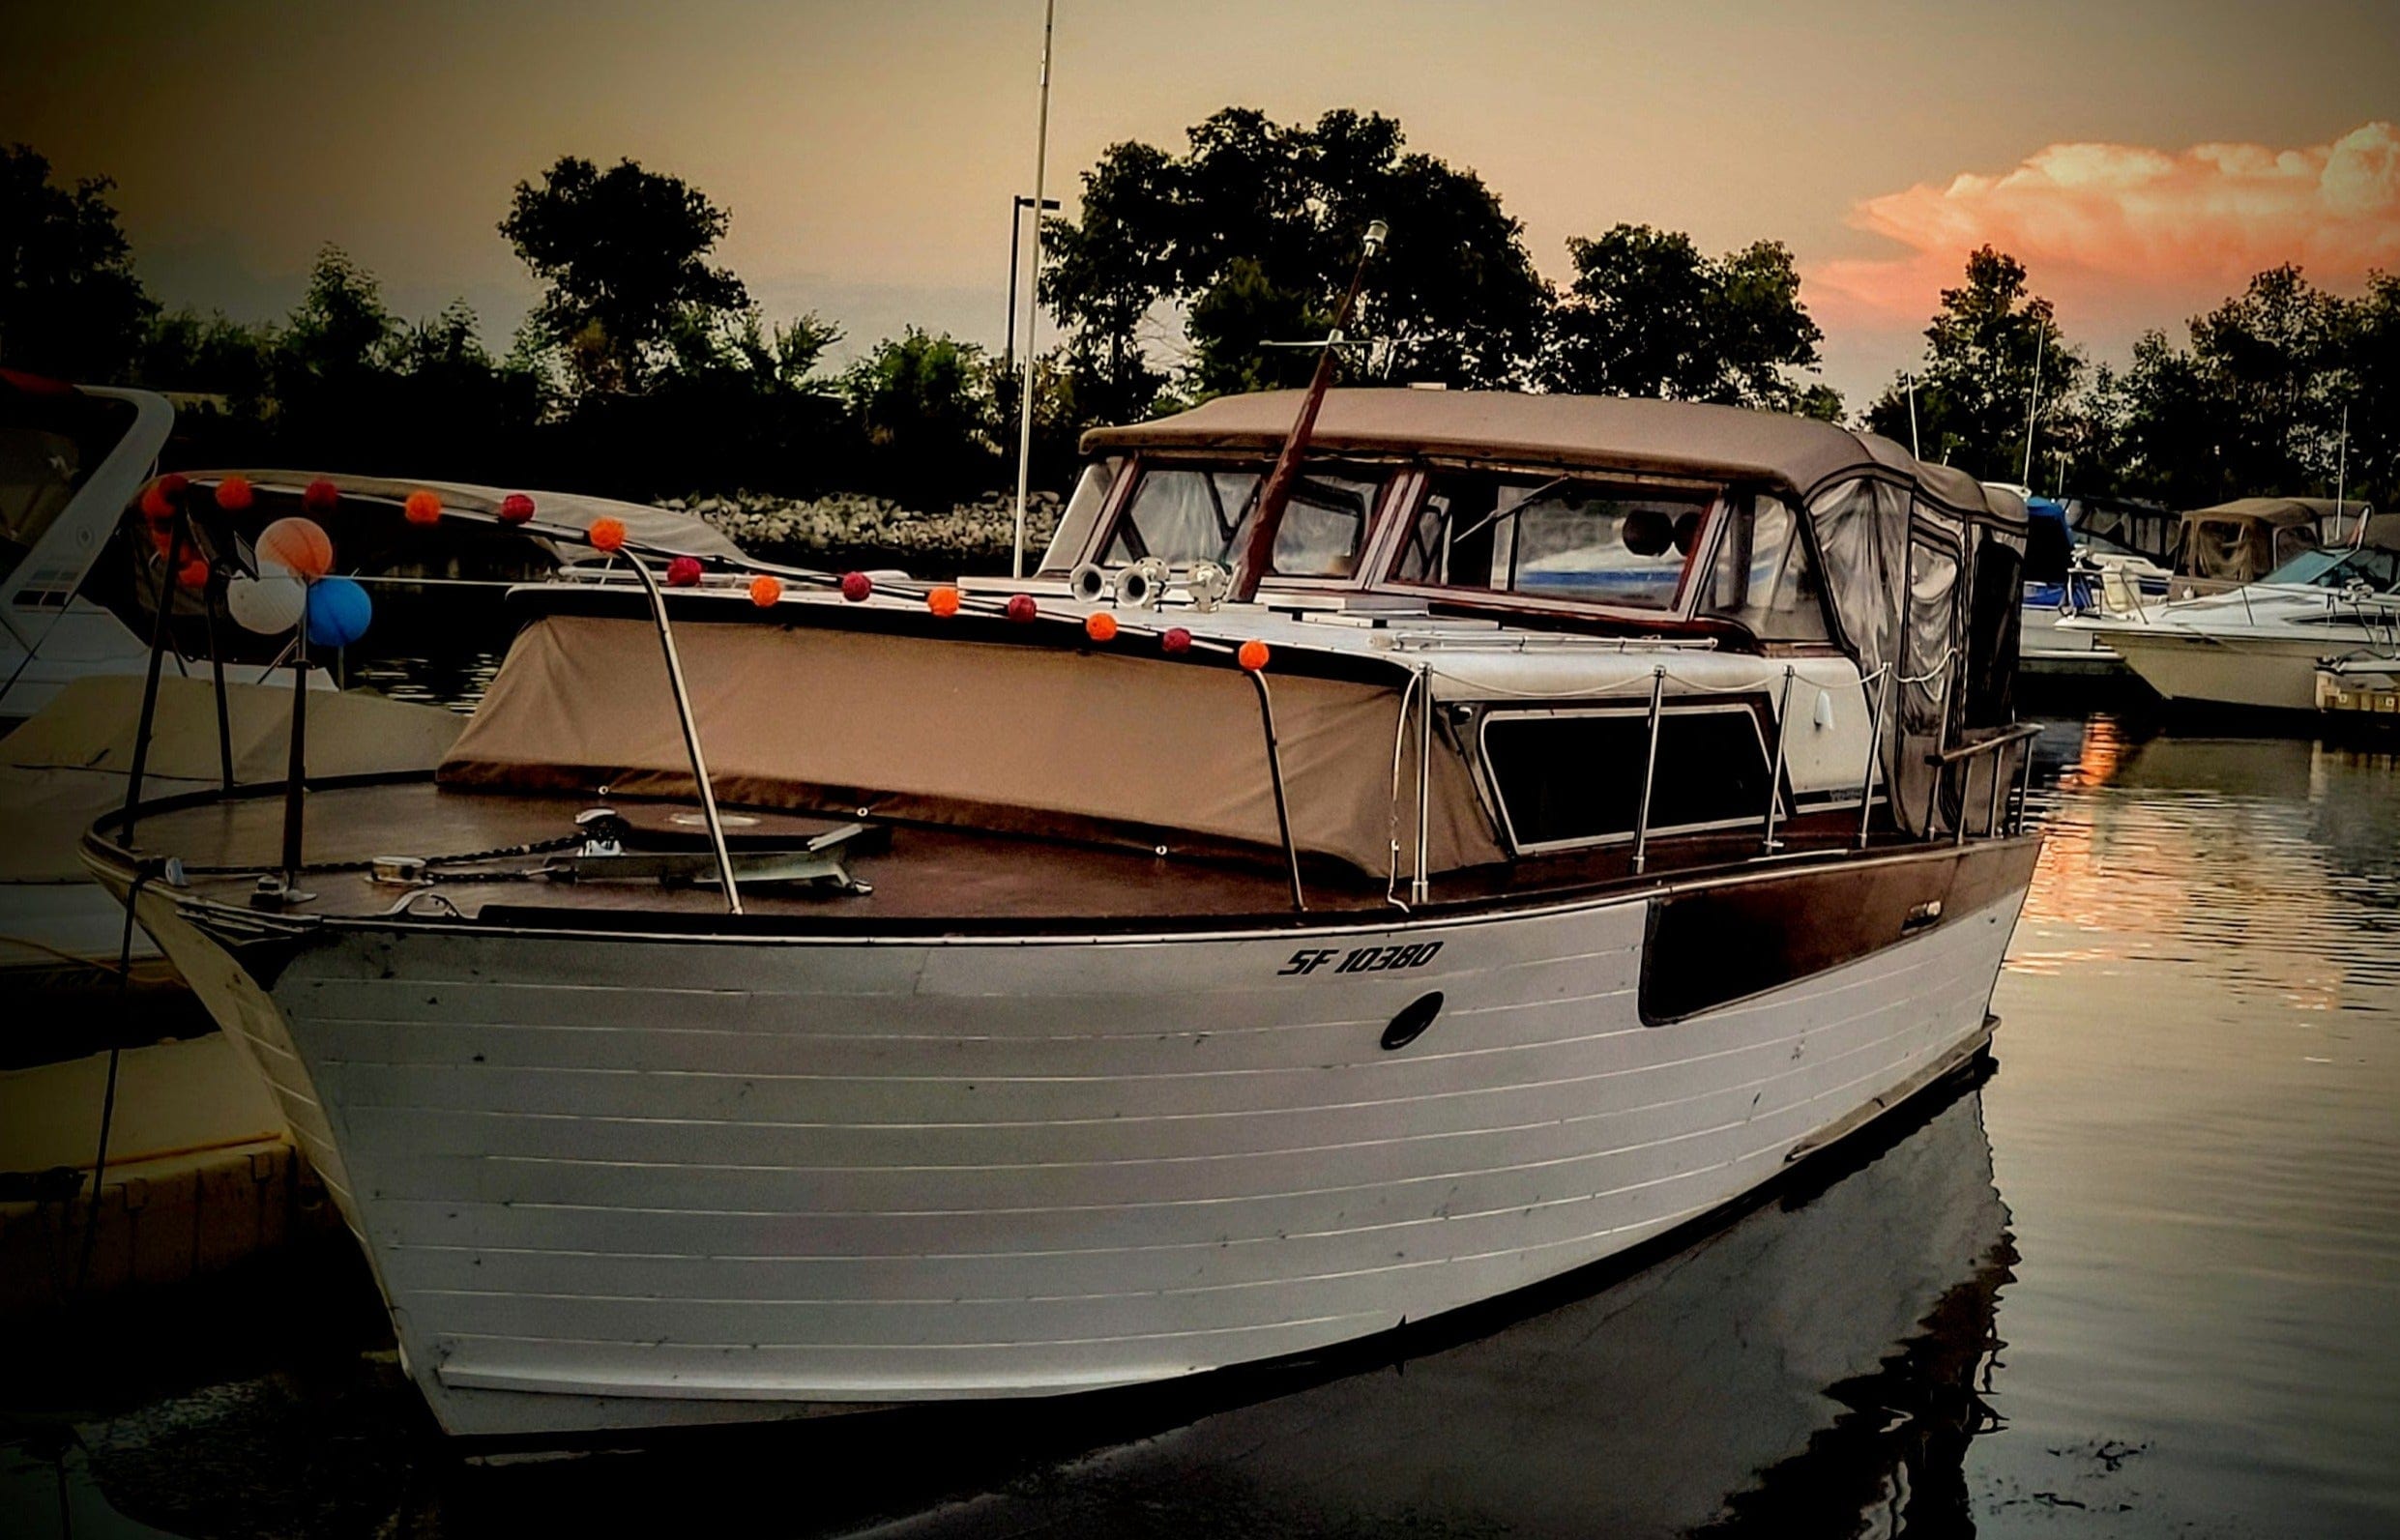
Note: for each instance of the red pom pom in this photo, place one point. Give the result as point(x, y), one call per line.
point(234, 494)
point(319, 496)
point(1021, 608)
point(683, 573)
point(856, 587)
point(163, 540)
point(606, 534)
point(1175, 640)
point(194, 573)
point(515, 509)
point(421, 508)
point(174, 483)
point(157, 506)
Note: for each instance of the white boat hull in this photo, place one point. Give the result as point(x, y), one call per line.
point(2266, 673)
point(672, 1180)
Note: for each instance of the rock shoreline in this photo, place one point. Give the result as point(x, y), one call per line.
point(853, 531)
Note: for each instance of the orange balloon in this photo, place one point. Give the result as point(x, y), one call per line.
point(766, 590)
point(300, 544)
point(421, 508)
point(1253, 655)
point(606, 534)
point(1100, 625)
point(942, 600)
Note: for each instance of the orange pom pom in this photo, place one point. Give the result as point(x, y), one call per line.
point(1253, 655)
point(1100, 625)
point(942, 600)
point(194, 573)
point(421, 508)
point(157, 506)
point(320, 497)
point(765, 592)
point(233, 494)
point(606, 534)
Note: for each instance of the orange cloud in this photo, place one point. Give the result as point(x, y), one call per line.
point(2114, 230)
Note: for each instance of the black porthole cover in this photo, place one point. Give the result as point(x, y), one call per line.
point(1412, 1020)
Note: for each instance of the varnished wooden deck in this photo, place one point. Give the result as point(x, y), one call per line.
point(922, 876)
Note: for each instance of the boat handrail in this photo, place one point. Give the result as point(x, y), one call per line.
point(1983, 746)
point(1958, 754)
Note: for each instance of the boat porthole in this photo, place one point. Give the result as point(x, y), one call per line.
point(1412, 1021)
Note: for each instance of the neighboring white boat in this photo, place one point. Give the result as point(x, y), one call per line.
point(2261, 644)
point(1076, 993)
point(2066, 567)
point(80, 577)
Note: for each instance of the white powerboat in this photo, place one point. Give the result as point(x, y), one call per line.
point(2260, 645)
point(79, 575)
point(1377, 865)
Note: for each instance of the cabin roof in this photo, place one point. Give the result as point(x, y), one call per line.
point(1682, 438)
point(2278, 512)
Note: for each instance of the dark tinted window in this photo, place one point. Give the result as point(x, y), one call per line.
point(1565, 778)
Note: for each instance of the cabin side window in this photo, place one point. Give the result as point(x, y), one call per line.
point(1566, 778)
point(1185, 513)
point(1763, 574)
point(1554, 537)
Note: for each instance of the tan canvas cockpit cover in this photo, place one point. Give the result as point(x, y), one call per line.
point(1023, 738)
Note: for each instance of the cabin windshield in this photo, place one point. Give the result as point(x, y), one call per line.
point(1554, 537)
point(2378, 570)
point(49, 447)
point(1197, 512)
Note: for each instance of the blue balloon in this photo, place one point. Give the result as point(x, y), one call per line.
point(338, 610)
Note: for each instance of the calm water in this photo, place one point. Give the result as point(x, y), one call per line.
point(2142, 1281)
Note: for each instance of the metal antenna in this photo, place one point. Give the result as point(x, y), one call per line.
point(2034, 409)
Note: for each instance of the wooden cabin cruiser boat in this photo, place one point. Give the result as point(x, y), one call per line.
point(79, 578)
point(1370, 870)
point(2260, 645)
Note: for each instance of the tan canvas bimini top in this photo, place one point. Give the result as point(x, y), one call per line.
point(1678, 438)
point(1012, 738)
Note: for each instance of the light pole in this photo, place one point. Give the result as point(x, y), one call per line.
point(1016, 234)
point(1033, 315)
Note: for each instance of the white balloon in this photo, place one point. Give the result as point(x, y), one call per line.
point(269, 604)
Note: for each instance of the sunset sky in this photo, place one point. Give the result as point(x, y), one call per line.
point(2142, 158)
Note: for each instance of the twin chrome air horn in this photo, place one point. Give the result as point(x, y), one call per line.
point(1145, 584)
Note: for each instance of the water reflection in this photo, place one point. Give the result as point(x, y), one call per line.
point(2195, 1128)
point(1818, 1365)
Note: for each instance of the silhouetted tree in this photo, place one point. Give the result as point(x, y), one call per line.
point(925, 405)
point(1649, 314)
point(624, 253)
point(1253, 232)
point(2254, 404)
point(1975, 391)
point(70, 305)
